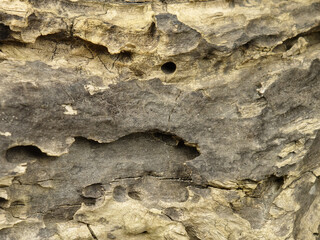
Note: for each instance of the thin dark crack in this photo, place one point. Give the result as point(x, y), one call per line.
point(92, 232)
point(117, 58)
point(89, 49)
point(68, 205)
point(105, 66)
point(71, 28)
point(167, 215)
point(19, 182)
point(186, 180)
point(174, 107)
point(68, 94)
point(54, 51)
point(299, 177)
point(125, 178)
point(189, 180)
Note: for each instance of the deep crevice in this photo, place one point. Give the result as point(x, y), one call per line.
point(65, 37)
point(152, 29)
point(312, 36)
point(4, 32)
point(22, 154)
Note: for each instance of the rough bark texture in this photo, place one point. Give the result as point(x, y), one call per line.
point(173, 120)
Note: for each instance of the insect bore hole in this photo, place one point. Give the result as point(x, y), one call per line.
point(169, 67)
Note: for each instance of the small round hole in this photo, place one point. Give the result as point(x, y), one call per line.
point(169, 67)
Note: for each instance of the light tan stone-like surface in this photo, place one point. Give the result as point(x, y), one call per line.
point(167, 120)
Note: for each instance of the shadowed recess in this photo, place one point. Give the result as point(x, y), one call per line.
point(21, 154)
point(4, 32)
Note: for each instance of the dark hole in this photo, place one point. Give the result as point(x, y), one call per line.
point(169, 67)
point(21, 154)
